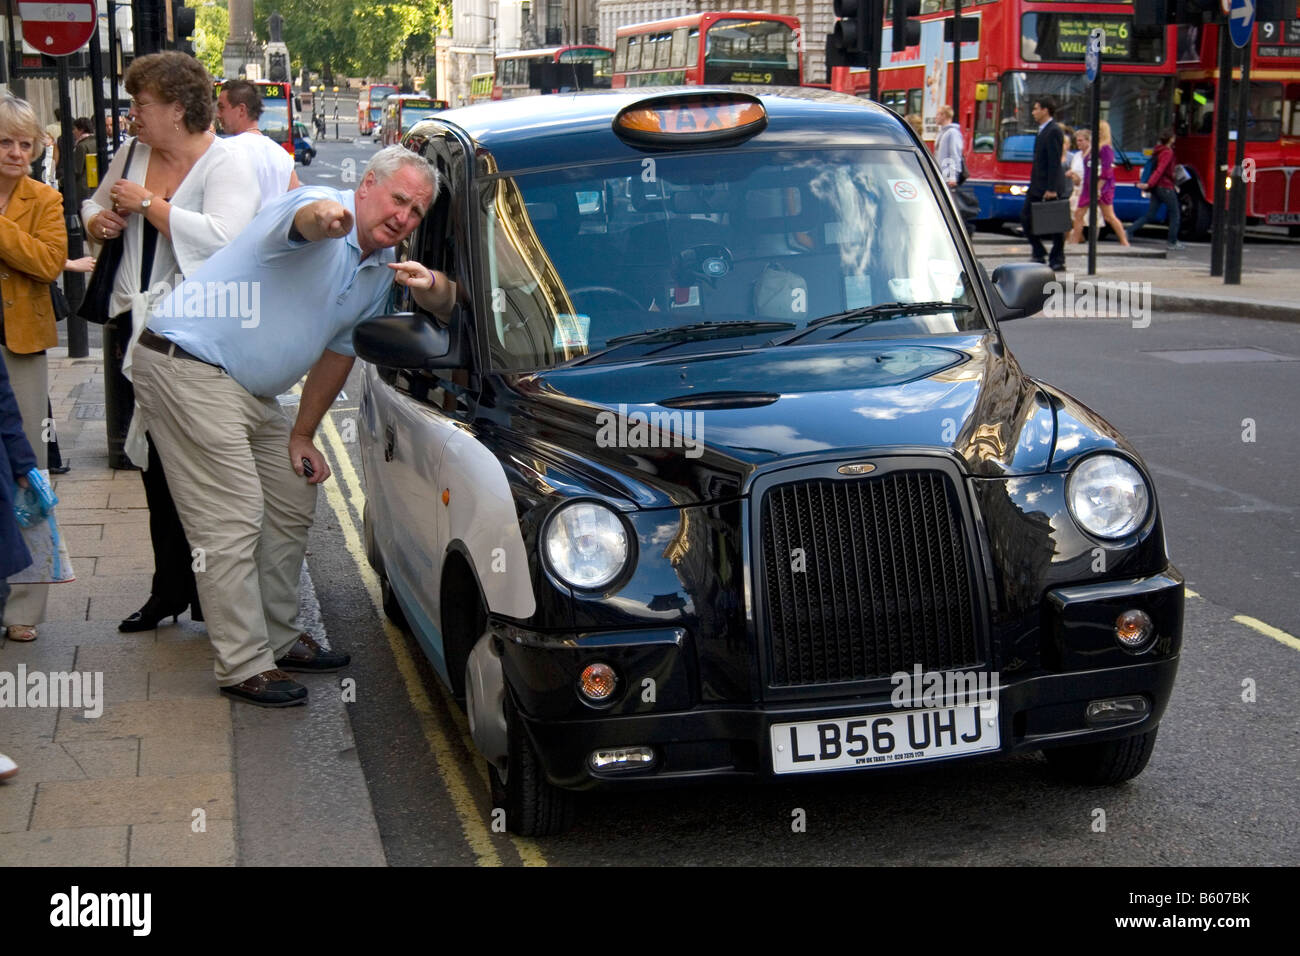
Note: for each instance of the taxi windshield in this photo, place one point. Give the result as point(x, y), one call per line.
point(753, 245)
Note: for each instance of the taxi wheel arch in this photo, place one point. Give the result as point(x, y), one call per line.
point(464, 616)
point(1103, 764)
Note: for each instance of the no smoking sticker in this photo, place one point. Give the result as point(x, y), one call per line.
point(904, 190)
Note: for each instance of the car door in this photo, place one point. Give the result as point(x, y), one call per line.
point(423, 409)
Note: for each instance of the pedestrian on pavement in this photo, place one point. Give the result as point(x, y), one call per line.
point(33, 248)
point(184, 197)
point(1105, 189)
point(949, 148)
point(52, 454)
point(1082, 143)
point(84, 145)
point(243, 478)
point(1046, 180)
point(1164, 191)
point(238, 109)
point(16, 460)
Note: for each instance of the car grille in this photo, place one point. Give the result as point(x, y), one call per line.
point(886, 582)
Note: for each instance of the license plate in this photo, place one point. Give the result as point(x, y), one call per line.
point(878, 740)
point(1283, 219)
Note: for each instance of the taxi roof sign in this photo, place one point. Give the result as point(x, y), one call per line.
point(690, 119)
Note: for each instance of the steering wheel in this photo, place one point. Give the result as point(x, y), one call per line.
point(606, 290)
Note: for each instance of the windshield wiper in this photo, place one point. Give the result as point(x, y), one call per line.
point(876, 313)
point(694, 332)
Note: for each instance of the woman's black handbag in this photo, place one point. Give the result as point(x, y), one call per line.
point(99, 291)
point(59, 302)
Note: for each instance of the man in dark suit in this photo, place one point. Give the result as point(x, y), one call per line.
point(1046, 179)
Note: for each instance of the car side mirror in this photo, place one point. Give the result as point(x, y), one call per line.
point(1020, 289)
point(404, 340)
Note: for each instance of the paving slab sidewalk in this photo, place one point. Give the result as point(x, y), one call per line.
point(1178, 284)
point(171, 772)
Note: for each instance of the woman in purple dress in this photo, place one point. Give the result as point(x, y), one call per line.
point(1105, 189)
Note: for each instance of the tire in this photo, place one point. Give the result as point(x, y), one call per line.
point(1195, 215)
point(306, 159)
point(392, 610)
point(533, 807)
point(1103, 764)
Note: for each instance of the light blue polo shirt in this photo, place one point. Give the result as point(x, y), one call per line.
point(264, 308)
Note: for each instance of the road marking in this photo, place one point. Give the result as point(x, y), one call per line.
point(1268, 630)
point(476, 834)
point(1189, 592)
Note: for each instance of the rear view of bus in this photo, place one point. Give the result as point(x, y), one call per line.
point(370, 107)
point(708, 48)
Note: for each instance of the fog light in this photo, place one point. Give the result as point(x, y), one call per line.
point(1116, 709)
point(625, 758)
point(598, 681)
point(1134, 630)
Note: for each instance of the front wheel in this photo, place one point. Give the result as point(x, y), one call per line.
point(533, 807)
point(1195, 215)
point(1103, 764)
point(306, 159)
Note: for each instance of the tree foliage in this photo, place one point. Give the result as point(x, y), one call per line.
point(354, 38)
point(211, 27)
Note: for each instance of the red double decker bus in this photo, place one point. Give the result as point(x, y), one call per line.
point(1272, 124)
point(512, 69)
point(735, 47)
point(1026, 50)
point(370, 107)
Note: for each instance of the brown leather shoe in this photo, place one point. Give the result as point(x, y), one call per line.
point(308, 656)
point(269, 689)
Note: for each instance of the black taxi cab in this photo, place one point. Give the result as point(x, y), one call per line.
point(722, 467)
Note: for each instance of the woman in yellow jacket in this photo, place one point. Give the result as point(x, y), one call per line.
point(33, 248)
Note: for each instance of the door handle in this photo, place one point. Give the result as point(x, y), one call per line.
point(388, 443)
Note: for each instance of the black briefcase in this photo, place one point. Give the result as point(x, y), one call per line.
point(1049, 217)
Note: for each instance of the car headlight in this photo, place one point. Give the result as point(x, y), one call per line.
point(586, 544)
point(1108, 496)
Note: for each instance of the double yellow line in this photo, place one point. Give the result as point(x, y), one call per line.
point(433, 725)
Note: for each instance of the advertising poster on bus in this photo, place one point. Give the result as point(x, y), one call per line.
point(934, 55)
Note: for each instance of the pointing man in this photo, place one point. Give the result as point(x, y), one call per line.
point(313, 264)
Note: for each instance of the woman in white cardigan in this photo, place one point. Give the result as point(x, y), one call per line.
point(184, 195)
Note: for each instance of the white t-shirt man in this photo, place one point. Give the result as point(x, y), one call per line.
point(270, 161)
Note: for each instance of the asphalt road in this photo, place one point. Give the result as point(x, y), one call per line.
point(1219, 789)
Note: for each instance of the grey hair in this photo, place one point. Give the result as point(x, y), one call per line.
point(17, 116)
point(392, 158)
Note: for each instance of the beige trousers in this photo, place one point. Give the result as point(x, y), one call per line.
point(246, 513)
point(29, 378)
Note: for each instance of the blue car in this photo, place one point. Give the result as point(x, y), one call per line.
point(303, 150)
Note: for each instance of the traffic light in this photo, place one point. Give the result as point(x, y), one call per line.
point(183, 27)
point(852, 36)
point(907, 32)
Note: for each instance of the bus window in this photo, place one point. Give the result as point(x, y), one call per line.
point(620, 55)
point(986, 122)
point(737, 51)
point(1136, 106)
point(915, 101)
point(633, 53)
point(693, 47)
point(663, 51)
point(678, 58)
point(1263, 113)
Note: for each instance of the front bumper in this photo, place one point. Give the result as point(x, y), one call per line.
point(691, 741)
